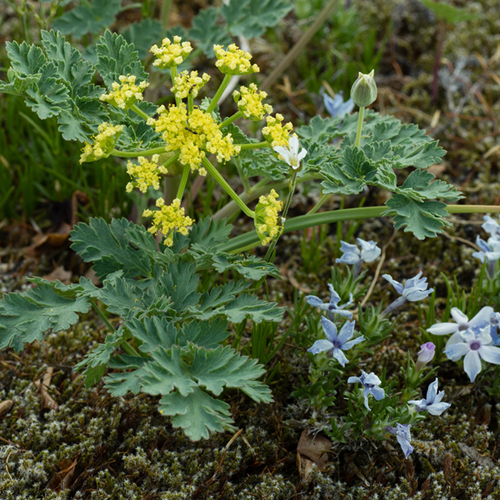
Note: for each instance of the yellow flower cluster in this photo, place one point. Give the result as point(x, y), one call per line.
point(168, 219)
point(146, 174)
point(170, 53)
point(193, 134)
point(275, 133)
point(249, 102)
point(188, 84)
point(125, 93)
point(104, 143)
point(234, 61)
point(267, 222)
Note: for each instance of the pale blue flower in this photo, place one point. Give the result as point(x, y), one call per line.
point(413, 290)
point(489, 250)
point(475, 346)
point(494, 324)
point(332, 307)
point(432, 403)
point(337, 106)
point(402, 433)
point(353, 255)
point(370, 382)
point(491, 226)
point(336, 343)
point(480, 320)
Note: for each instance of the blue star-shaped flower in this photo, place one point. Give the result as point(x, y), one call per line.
point(336, 343)
point(402, 433)
point(432, 403)
point(370, 382)
point(332, 307)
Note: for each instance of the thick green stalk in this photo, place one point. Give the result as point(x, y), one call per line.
point(320, 203)
point(229, 190)
point(218, 94)
point(254, 145)
point(255, 192)
point(171, 160)
point(173, 74)
point(250, 239)
point(190, 103)
point(134, 154)
point(231, 119)
point(140, 112)
point(360, 126)
point(166, 5)
point(184, 179)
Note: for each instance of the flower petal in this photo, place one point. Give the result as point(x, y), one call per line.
point(459, 316)
point(456, 351)
point(432, 391)
point(378, 393)
point(354, 380)
point(482, 316)
point(346, 332)
point(442, 328)
point(320, 346)
point(397, 286)
point(490, 354)
point(330, 329)
point(438, 408)
point(352, 343)
point(472, 364)
point(340, 357)
point(314, 301)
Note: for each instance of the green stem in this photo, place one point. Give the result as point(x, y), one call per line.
point(229, 190)
point(126, 347)
point(134, 154)
point(360, 126)
point(218, 94)
point(184, 179)
point(243, 177)
point(254, 145)
point(251, 239)
point(165, 12)
point(173, 74)
point(320, 203)
point(231, 119)
point(257, 190)
point(171, 160)
point(140, 112)
point(190, 103)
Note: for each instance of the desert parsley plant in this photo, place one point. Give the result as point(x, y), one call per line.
point(170, 340)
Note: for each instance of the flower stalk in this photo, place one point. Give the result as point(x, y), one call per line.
point(229, 190)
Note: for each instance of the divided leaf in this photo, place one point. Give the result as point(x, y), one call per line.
point(25, 317)
point(250, 18)
point(197, 414)
point(424, 219)
point(179, 375)
point(108, 247)
point(90, 16)
point(207, 32)
point(116, 57)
